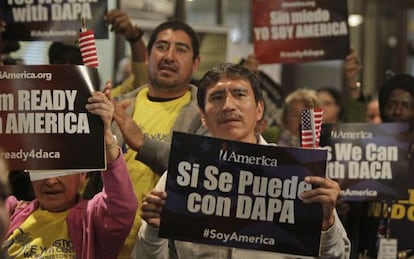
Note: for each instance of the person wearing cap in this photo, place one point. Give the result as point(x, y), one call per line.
point(396, 103)
point(59, 224)
point(396, 99)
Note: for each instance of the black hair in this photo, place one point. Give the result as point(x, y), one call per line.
point(176, 25)
point(10, 46)
point(231, 70)
point(58, 49)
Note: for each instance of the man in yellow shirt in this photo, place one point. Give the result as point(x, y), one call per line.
point(167, 103)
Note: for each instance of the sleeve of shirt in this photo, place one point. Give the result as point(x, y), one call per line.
point(149, 244)
point(157, 161)
point(115, 207)
point(335, 242)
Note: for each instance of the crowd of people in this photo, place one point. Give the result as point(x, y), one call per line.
point(116, 213)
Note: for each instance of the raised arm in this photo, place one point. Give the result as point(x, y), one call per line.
point(353, 69)
point(149, 245)
point(113, 210)
point(121, 24)
point(334, 240)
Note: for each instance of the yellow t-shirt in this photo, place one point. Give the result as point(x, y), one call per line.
point(43, 234)
point(156, 120)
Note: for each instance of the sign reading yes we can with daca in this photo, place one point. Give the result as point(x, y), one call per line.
point(370, 161)
point(292, 31)
point(52, 20)
point(242, 195)
point(43, 120)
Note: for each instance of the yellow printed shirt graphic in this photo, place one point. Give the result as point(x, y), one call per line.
point(156, 119)
point(43, 234)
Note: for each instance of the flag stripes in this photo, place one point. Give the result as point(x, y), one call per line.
point(311, 124)
point(87, 47)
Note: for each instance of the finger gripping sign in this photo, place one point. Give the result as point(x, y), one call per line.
point(242, 195)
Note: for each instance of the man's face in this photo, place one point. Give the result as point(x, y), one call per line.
point(399, 107)
point(171, 63)
point(58, 193)
point(231, 111)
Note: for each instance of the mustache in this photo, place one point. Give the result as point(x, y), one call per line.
point(229, 116)
point(168, 64)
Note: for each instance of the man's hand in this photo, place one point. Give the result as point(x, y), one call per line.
point(352, 72)
point(327, 193)
point(100, 105)
point(151, 207)
point(133, 135)
point(120, 23)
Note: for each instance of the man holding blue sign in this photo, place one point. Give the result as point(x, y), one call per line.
point(230, 106)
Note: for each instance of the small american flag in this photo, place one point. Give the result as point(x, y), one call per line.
point(311, 121)
point(87, 47)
